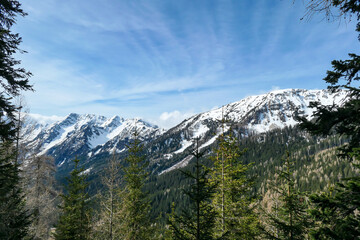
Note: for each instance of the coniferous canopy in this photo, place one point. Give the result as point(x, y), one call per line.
point(337, 212)
point(288, 218)
point(343, 119)
point(135, 202)
point(13, 79)
point(75, 212)
point(198, 220)
point(14, 219)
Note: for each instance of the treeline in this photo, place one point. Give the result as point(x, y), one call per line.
point(216, 199)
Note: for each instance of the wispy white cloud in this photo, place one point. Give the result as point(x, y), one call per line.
point(42, 119)
point(170, 119)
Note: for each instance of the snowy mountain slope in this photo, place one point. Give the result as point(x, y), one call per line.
point(254, 114)
point(96, 137)
point(79, 135)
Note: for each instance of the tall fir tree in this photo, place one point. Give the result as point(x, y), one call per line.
point(13, 78)
point(233, 199)
point(135, 202)
point(14, 218)
point(289, 218)
point(198, 221)
point(74, 221)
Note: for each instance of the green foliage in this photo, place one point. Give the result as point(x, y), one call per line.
point(343, 119)
point(197, 221)
point(135, 203)
point(13, 79)
point(233, 201)
point(288, 219)
point(14, 219)
point(75, 213)
point(337, 212)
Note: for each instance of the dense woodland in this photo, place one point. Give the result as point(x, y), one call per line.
point(294, 183)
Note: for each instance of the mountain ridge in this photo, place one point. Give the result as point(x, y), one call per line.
point(89, 135)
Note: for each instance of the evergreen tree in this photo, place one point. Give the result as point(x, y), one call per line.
point(13, 79)
point(342, 119)
point(232, 201)
point(135, 210)
point(14, 219)
point(288, 219)
point(337, 213)
point(197, 222)
point(75, 211)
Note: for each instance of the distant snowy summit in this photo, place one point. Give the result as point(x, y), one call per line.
point(78, 134)
point(95, 137)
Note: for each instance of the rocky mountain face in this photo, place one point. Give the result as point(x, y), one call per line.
point(92, 136)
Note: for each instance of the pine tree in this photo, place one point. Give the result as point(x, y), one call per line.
point(288, 219)
point(75, 211)
point(197, 222)
point(232, 201)
point(14, 219)
point(39, 182)
point(135, 202)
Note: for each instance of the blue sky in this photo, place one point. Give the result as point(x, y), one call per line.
point(166, 60)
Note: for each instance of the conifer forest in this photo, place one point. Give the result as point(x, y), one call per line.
point(296, 182)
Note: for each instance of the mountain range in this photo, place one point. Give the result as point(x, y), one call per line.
point(94, 138)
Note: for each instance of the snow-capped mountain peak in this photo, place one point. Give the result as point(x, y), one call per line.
point(91, 135)
point(78, 134)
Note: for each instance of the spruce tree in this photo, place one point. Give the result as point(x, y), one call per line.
point(14, 219)
point(74, 221)
point(289, 218)
point(233, 199)
point(135, 210)
point(197, 222)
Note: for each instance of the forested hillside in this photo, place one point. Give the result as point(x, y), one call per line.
point(316, 165)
